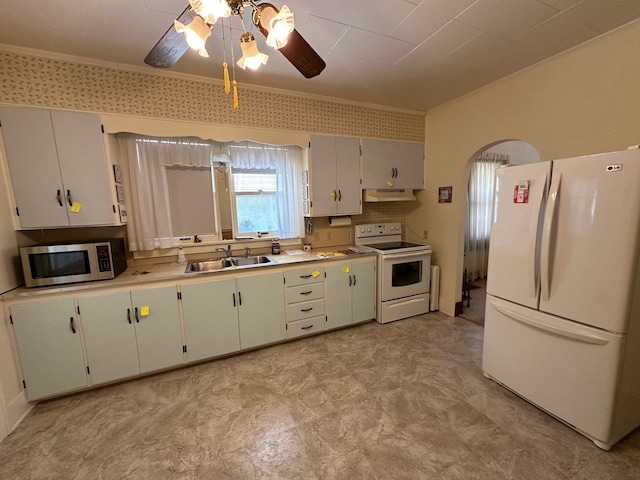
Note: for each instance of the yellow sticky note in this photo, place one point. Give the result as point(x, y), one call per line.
point(338, 254)
point(144, 310)
point(345, 269)
point(75, 208)
point(389, 183)
point(315, 273)
point(333, 195)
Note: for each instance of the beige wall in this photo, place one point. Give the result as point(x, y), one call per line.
point(581, 102)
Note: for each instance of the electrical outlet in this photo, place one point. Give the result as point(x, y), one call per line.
point(425, 234)
point(316, 236)
point(328, 236)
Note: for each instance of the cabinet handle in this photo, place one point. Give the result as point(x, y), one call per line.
point(129, 315)
point(350, 280)
point(354, 280)
point(59, 197)
point(73, 328)
point(334, 196)
point(307, 327)
point(306, 276)
point(135, 312)
point(306, 309)
point(307, 292)
point(234, 299)
point(239, 298)
point(69, 198)
point(339, 196)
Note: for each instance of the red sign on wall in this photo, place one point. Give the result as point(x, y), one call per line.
point(521, 192)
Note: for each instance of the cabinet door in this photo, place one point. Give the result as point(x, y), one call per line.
point(324, 200)
point(157, 327)
point(348, 176)
point(85, 175)
point(338, 295)
point(261, 309)
point(33, 166)
point(49, 347)
point(391, 164)
point(109, 336)
point(363, 293)
point(210, 318)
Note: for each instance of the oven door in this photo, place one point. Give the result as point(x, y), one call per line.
point(404, 274)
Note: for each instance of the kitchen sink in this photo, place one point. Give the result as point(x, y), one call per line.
point(252, 260)
point(233, 262)
point(208, 265)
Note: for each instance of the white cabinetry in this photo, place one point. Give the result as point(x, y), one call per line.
point(210, 315)
point(58, 168)
point(392, 164)
point(131, 332)
point(49, 347)
point(350, 292)
point(261, 309)
point(334, 176)
point(304, 296)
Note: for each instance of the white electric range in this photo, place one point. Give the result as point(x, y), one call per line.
point(404, 270)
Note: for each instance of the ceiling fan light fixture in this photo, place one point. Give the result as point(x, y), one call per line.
point(195, 33)
point(211, 10)
point(280, 26)
point(251, 57)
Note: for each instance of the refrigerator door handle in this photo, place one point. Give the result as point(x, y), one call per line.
point(545, 254)
point(533, 260)
point(581, 337)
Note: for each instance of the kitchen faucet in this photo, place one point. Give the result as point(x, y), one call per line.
point(227, 250)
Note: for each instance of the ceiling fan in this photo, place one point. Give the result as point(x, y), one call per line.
point(197, 21)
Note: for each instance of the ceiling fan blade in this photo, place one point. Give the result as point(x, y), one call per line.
point(171, 46)
point(297, 50)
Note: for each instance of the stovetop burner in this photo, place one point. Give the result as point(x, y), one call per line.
point(394, 245)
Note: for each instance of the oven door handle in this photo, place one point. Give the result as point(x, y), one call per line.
point(393, 256)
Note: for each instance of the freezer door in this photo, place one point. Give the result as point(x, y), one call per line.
point(590, 239)
point(513, 272)
point(567, 369)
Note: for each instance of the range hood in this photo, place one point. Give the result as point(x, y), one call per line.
point(389, 195)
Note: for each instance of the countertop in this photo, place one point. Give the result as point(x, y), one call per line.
point(172, 271)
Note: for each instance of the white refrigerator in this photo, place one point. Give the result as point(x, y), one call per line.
point(562, 320)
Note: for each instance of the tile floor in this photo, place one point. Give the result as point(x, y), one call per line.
point(475, 311)
point(405, 400)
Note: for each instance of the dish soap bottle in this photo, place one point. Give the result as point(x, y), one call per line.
point(182, 259)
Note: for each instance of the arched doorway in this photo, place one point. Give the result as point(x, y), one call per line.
point(480, 171)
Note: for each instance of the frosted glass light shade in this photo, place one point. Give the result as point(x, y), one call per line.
point(251, 57)
point(211, 10)
point(280, 26)
point(196, 34)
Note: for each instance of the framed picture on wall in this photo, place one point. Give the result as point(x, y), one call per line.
point(445, 194)
point(120, 193)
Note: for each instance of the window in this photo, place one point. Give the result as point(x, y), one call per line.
point(255, 202)
point(174, 194)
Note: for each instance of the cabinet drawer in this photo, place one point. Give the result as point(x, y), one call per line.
point(305, 327)
point(304, 293)
point(303, 276)
point(299, 311)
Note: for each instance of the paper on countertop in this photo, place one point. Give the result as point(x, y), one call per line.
point(295, 252)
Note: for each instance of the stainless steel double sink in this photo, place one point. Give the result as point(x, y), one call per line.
point(200, 266)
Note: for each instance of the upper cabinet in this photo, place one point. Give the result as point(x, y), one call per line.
point(392, 164)
point(58, 168)
point(334, 177)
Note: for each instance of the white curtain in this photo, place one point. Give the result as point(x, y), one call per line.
point(149, 226)
point(479, 201)
point(287, 162)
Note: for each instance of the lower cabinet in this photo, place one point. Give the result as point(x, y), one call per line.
point(350, 292)
point(50, 348)
point(261, 309)
point(224, 316)
point(210, 315)
point(131, 332)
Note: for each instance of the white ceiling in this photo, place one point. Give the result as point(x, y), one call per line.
point(408, 54)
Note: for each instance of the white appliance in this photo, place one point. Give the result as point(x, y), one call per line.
point(403, 271)
point(562, 322)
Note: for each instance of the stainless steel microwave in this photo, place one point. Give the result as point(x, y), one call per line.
point(71, 263)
